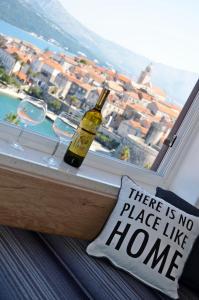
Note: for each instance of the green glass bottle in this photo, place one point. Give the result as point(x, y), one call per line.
point(86, 132)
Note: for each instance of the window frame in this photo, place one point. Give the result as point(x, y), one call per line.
point(184, 133)
point(165, 153)
point(162, 171)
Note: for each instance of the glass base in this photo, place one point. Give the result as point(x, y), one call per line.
point(17, 146)
point(51, 161)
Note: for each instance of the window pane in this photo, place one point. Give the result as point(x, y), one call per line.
point(64, 51)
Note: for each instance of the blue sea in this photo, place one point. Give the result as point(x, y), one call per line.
point(9, 104)
point(10, 30)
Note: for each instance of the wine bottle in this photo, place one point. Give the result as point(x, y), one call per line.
point(86, 132)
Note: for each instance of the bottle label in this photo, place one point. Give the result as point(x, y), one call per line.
point(81, 142)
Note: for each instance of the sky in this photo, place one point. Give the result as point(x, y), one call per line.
point(165, 31)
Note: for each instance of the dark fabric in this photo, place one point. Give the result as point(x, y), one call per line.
point(46, 267)
point(102, 280)
point(177, 201)
point(187, 294)
point(29, 270)
point(190, 275)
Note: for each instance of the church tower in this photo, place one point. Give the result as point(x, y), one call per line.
point(145, 76)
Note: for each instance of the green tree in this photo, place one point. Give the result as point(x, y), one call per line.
point(12, 118)
point(30, 73)
point(56, 105)
point(73, 100)
point(21, 66)
point(2, 71)
point(35, 91)
point(125, 153)
point(83, 61)
point(15, 82)
point(147, 166)
point(8, 79)
point(54, 90)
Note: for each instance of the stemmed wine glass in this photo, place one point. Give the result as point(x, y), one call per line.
point(31, 111)
point(64, 131)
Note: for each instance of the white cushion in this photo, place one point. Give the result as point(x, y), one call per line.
point(147, 237)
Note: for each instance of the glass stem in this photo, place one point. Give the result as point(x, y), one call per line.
point(55, 149)
point(24, 126)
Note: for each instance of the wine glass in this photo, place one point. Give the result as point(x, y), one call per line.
point(64, 130)
point(31, 111)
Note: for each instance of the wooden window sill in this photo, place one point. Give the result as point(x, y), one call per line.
point(67, 201)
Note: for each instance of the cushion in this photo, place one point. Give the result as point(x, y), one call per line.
point(147, 237)
point(29, 270)
point(190, 272)
point(102, 280)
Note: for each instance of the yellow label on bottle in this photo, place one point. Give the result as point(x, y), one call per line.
point(81, 142)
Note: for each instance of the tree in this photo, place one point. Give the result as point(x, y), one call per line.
point(30, 73)
point(56, 105)
point(147, 165)
point(12, 118)
point(83, 61)
point(16, 56)
point(35, 91)
point(73, 100)
point(125, 153)
point(53, 90)
point(2, 71)
point(8, 79)
point(21, 66)
point(15, 82)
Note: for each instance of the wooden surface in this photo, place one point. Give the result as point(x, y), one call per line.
point(37, 204)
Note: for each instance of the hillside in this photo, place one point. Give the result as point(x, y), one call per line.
point(51, 20)
point(28, 19)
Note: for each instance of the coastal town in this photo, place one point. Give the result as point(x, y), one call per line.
point(137, 114)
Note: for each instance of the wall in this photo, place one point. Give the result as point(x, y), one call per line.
point(186, 180)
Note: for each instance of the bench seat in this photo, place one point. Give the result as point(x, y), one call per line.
point(38, 266)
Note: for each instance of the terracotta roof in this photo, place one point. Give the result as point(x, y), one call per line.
point(100, 69)
point(21, 76)
point(138, 108)
point(145, 96)
point(171, 105)
point(89, 71)
point(146, 123)
point(123, 78)
point(47, 54)
point(136, 125)
point(144, 130)
point(95, 75)
point(12, 50)
point(53, 64)
point(73, 79)
point(70, 60)
point(22, 56)
point(165, 109)
point(151, 118)
point(80, 71)
point(86, 86)
point(158, 91)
